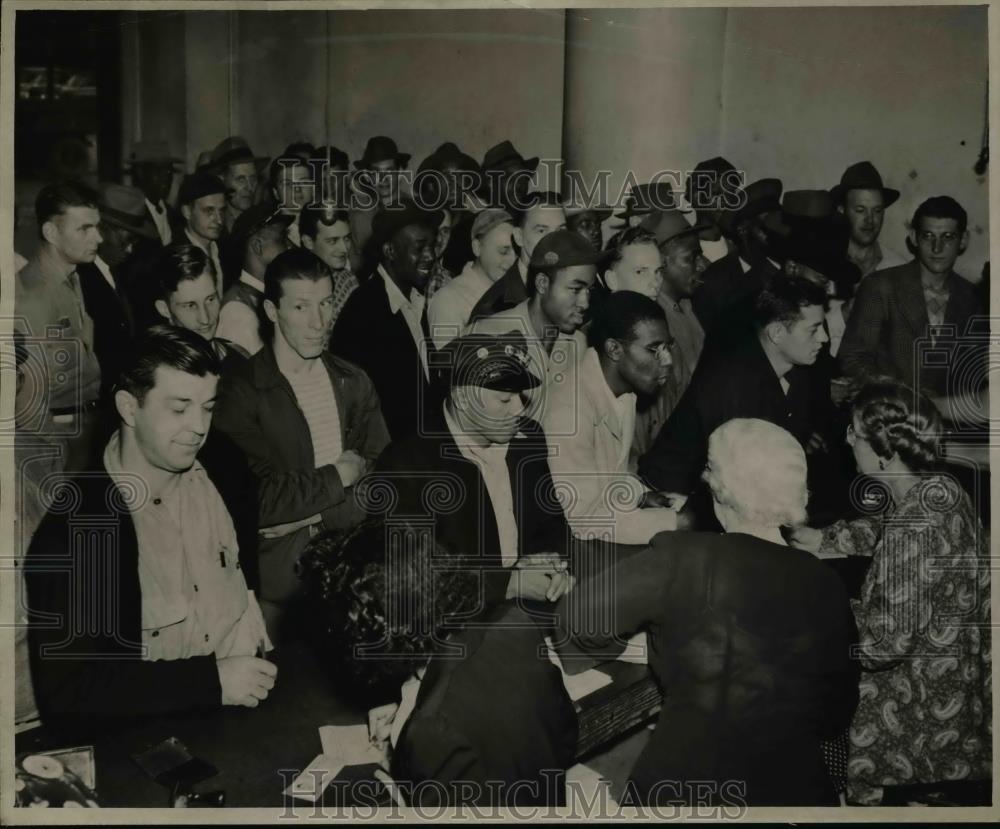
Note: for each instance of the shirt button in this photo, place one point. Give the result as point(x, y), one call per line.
point(156, 633)
point(157, 501)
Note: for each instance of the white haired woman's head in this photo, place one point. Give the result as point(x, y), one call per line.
point(757, 474)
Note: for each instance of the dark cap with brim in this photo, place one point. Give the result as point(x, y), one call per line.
point(564, 249)
point(490, 362)
point(198, 185)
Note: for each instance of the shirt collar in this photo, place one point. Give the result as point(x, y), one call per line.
point(135, 495)
point(209, 249)
point(396, 299)
point(251, 280)
point(156, 209)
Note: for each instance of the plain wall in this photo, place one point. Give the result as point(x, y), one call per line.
point(422, 77)
point(808, 92)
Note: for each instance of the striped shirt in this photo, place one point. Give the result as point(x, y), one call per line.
point(314, 394)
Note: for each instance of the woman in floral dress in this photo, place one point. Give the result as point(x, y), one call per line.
point(924, 614)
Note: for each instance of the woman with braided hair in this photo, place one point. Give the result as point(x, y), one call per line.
point(923, 617)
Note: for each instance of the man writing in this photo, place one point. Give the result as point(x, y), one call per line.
point(176, 626)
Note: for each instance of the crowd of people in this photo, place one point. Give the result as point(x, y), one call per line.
point(449, 414)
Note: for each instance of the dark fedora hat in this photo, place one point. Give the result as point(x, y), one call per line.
point(503, 153)
point(761, 196)
point(394, 217)
point(381, 148)
point(669, 224)
point(125, 207)
point(800, 208)
point(151, 152)
point(233, 150)
point(862, 176)
point(334, 155)
point(198, 185)
point(448, 154)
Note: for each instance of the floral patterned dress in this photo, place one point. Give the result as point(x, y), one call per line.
point(923, 618)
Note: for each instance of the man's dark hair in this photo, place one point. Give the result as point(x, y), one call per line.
point(170, 346)
point(297, 263)
point(784, 298)
point(311, 217)
point(618, 315)
point(941, 207)
point(289, 161)
point(181, 263)
point(536, 199)
point(631, 236)
point(54, 199)
point(380, 598)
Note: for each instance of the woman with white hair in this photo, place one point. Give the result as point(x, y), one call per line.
point(749, 638)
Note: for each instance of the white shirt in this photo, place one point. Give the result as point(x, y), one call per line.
point(105, 270)
point(836, 325)
point(213, 253)
point(492, 463)
point(412, 310)
point(449, 309)
point(238, 322)
point(161, 220)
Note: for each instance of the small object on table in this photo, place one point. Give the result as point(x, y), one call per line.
point(43, 780)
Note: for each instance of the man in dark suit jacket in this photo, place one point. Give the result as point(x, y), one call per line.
point(888, 329)
point(764, 377)
point(383, 325)
point(480, 472)
point(91, 648)
point(544, 214)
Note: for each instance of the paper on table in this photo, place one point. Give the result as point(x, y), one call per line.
point(349, 744)
point(314, 778)
point(579, 685)
point(635, 650)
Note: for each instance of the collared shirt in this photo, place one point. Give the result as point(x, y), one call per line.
point(492, 463)
point(412, 310)
point(450, 308)
point(936, 298)
point(195, 600)
point(345, 283)
point(551, 367)
point(836, 325)
point(314, 394)
point(105, 270)
point(875, 258)
point(688, 335)
point(161, 220)
point(238, 322)
point(49, 308)
point(212, 249)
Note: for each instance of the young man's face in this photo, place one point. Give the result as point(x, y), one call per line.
point(566, 296)
point(645, 361)
point(683, 266)
point(800, 342)
point(194, 306)
point(495, 251)
point(538, 221)
point(241, 180)
point(412, 255)
point(586, 224)
point(383, 177)
point(938, 244)
point(303, 317)
point(865, 211)
point(172, 421)
point(205, 216)
point(640, 270)
point(74, 234)
point(332, 244)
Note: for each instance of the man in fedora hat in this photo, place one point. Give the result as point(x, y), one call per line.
point(234, 162)
point(504, 519)
point(508, 176)
point(377, 182)
point(705, 190)
point(202, 200)
point(561, 273)
point(544, 214)
point(644, 199)
point(114, 272)
point(152, 168)
point(730, 285)
point(383, 325)
point(447, 177)
point(862, 198)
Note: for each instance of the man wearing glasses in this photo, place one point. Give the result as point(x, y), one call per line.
point(590, 423)
point(910, 322)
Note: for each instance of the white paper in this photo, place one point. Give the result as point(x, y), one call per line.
point(635, 651)
point(309, 785)
point(349, 744)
